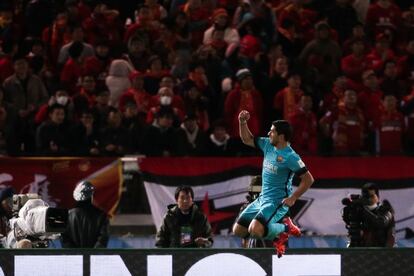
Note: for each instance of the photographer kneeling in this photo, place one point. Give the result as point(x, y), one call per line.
point(370, 223)
point(34, 224)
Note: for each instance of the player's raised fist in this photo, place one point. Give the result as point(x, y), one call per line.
point(244, 116)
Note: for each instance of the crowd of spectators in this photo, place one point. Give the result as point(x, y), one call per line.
point(168, 78)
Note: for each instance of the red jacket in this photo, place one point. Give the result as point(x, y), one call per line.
point(196, 17)
point(304, 19)
point(96, 67)
point(390, 131)
point(375, 59)
point(237, 101)
point(41, 114)
point(55, 37)
point(378, 19)
point(6, 68)
point(149, 28)
point(287, 101)
point(141, 98)
point(348, 129)
point(353, 66)
point(70, 75)
point(98, 25)
point(304, 127)
point(371, 104)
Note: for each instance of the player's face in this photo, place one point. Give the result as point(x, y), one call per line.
point(184, 201)
point(273, 136)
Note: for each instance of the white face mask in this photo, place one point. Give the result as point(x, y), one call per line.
point(63, 100)
point(165, 100)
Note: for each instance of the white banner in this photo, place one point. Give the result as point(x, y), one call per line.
point(224, 194)
point(318, 211)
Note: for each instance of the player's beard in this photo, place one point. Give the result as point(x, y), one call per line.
point(273, 142)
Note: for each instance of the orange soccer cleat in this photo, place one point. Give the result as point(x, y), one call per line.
point(279, 244)
point(292, 228)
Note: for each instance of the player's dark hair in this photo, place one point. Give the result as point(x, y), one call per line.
point(283, 127)
point(185, 189)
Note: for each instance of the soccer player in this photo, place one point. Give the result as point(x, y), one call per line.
point(263, 217)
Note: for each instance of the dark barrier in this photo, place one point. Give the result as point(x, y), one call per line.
point(217, 262)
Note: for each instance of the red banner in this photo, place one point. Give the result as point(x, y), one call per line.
point(373, 168)
point(55, 178)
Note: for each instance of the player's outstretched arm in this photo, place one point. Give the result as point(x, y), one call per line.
point(245, 134)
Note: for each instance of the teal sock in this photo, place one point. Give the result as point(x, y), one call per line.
point(274, 229)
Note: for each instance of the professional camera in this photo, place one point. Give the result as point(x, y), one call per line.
point(34, 220)
point(352, 216)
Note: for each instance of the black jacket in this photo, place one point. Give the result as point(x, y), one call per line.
point(193, 149)
point(115, 136)
point(82, 143)
point(156, 141)
point(170, 233)
point(49, 132)
point(378, 226)
point(87, 227)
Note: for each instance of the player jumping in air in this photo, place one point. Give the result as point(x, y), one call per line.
point(264, 217)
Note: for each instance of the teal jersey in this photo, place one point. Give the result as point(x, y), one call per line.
point(279, 167)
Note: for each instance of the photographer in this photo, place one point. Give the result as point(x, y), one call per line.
point(34, 224)
point(184, 225)
point(87, 225)
point(370, 223)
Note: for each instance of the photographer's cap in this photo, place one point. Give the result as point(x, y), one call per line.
point(83, 191)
